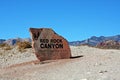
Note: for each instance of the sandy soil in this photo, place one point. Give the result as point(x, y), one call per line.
point(96, 64)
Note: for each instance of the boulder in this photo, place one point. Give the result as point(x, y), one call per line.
point(48, 45)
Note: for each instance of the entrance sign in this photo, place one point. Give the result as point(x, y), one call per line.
point(48, 45)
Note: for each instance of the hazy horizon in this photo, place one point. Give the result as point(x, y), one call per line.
point(60, 35)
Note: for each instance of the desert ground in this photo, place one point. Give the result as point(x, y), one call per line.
point(94, 64)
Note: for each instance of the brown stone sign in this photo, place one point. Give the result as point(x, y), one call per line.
point(48, 45)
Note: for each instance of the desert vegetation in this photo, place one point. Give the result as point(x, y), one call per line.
point(5, 46)
point(20, 45)
point(23, 45)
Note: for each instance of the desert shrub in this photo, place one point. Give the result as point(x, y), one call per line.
point(23, 45)
point(86, 45)
point(8, 48)
point(1, 53)
point(5, 46)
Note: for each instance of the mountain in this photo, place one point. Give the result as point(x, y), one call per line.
point(2, 40)
point(14, 41)
point(93, 41)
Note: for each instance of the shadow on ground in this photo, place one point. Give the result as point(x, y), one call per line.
point(74, 57)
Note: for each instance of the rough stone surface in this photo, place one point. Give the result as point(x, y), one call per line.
point(48, 45)
point(109, 44)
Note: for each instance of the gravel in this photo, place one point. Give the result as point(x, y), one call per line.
point(95, 64)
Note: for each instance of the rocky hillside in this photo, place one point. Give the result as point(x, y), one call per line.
point(14, 41)
point(93, 41)
point(109, 44)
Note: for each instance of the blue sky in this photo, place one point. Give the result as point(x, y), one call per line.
point(73, 19)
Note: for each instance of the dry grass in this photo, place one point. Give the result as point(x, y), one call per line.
point(23, 45)
point(5, 46)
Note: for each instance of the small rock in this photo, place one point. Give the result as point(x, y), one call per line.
point(103, 71)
